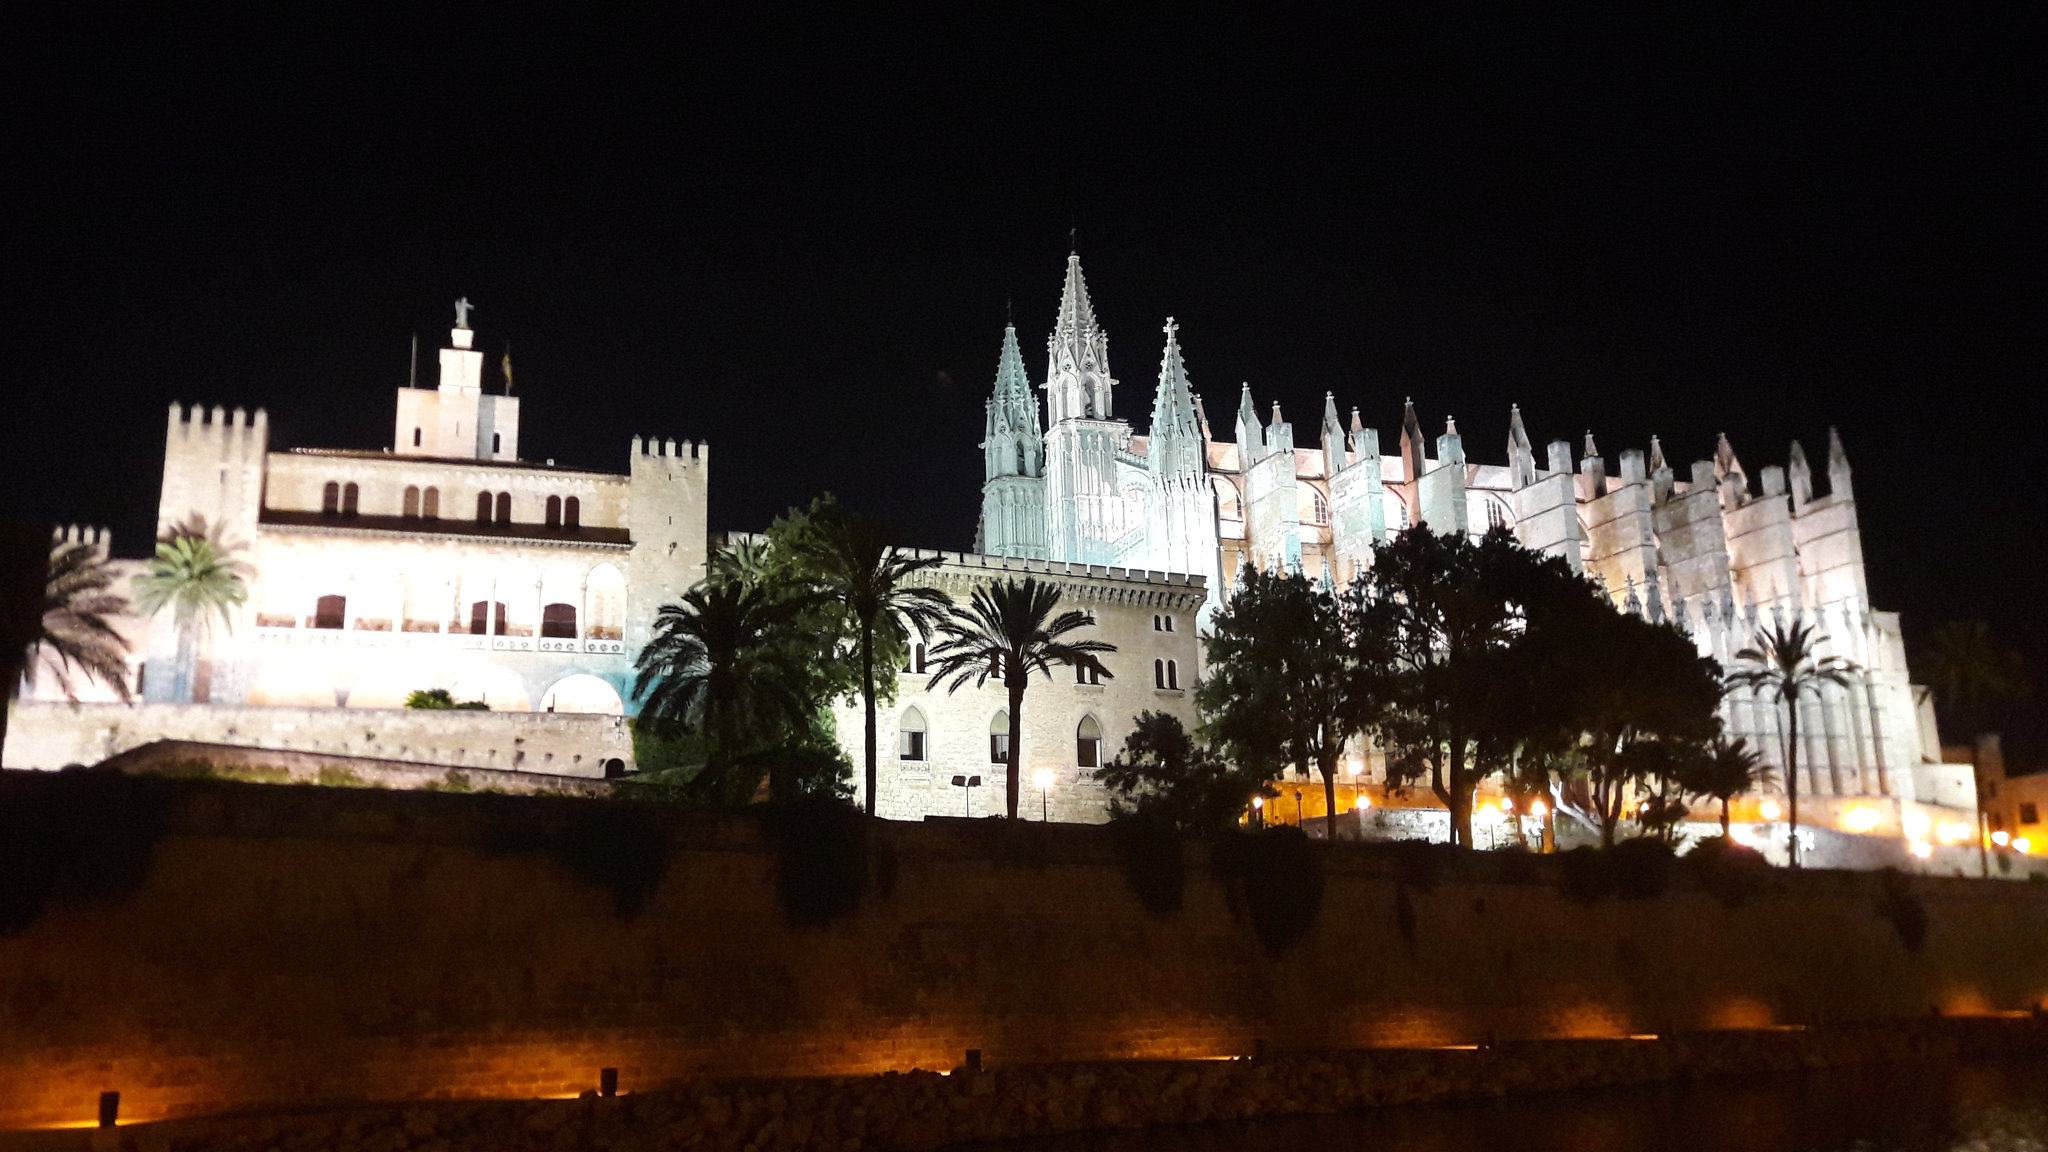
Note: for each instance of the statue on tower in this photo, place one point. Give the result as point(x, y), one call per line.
point(462, 308)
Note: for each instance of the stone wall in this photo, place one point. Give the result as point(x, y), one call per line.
point(298, 947)
point(49, 734)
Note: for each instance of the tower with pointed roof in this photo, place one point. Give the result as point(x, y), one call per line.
point(1180, 507)
point(1089, 520)
point(1013, 462)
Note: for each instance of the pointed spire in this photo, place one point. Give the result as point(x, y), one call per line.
point(1590, 449)
point(1800, 476)
point(1838, 466)
point(1077, 315)
point(1450, 425)
point(1411, 442)
point(1277, 418)
point(1202, 417)
point(1176, 438)
point(1724, 459)
point(1251, 438)
point(1657, 460)
point(1734, 482)
point(1357, 425)
point(1521, 454)
point(1334, 458)
point(1077, 380)
point(1012, 381)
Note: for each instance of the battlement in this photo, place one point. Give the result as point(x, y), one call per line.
point(1021, 565)
point(689, 452)
point(100, 540)
point(199, 421)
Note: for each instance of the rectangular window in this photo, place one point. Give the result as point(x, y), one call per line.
point(2029, 814)
point(1087, 752)
point(999, 747)
point(913, 745)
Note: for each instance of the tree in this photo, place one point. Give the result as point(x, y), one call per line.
point(1783, 663)
point(1280, 687)
point(441, 700)
point(723, 665)
point(1461, 642)
point(1727, 770)
point(1008, 631)
point(1164, 771)
point(1973, 676)
point(196, 576)
point(76, 629)
point(856, 568)
point(1643, 700)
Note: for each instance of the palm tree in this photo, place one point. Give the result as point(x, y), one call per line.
point(1727, 770)
point(1782, 663)
point(77, 602)
point(856, 568)
point(194, 574)
point(723, 664)
point(1008, 632)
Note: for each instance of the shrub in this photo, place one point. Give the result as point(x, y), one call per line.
point(75, 838)
point(822, 858)
point(1149, 849)
point(335, 776)
point(1281, 874)
point(1638, 869)
point(1730, 872)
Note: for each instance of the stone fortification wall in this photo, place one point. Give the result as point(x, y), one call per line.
point(53, 734)
point(295, 947)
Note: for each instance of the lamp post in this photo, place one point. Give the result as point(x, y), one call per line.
point(967, 785)
point(1043, 778)
point(1297, 808)
point(1259, 811)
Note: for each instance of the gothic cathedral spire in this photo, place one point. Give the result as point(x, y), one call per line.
point(1013, 462)
point(1077, 381)
point(1176, 441)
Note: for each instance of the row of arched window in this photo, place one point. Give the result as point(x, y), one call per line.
point(913, 739)
point(1165, 674)
point(486, 617)
point(422, 505)
point(338, 499)
point(1162, 623)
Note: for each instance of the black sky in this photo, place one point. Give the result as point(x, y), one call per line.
point(794, 236)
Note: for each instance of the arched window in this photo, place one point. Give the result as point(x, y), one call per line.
point(1172, 674)
point(1159, 673)
point(349, 494)
point(330, 612)
point(1086, 675)
point(487, 616)
point(999, 738)
point(497, 440)
point(415, 437)
point(917, 659)
point(558, 621)
point(330, 499)
point(910, 737)
point(483, 507)
point(1088, 743)
point(572, 512)
point(430, 504)
point(1155, 622)
point(412, 501)
point(1169, 622)
point(554, 511)
point(504, 507)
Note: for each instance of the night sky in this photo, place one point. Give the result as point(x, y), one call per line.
point(796, 238)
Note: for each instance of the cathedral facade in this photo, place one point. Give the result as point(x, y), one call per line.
point(1710, 548)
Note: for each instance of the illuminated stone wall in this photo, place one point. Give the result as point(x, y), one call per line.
point(350, 945)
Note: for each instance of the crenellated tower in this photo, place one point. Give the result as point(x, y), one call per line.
point(1013, 462)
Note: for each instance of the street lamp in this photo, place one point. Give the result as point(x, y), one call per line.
point(1043, 778)
point(1356, 770)
point(1259, 811)
point(1297, 808)
point(967, 785)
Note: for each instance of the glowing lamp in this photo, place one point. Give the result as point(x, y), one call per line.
point(1355, 767)
point(1043, 777)
point(1742, 833)
point(2000, 837)
point(2022, 845)
point(1953, 832)
point(1769, 809)
point(1507, 804)
point(1914, 824)
point(1861, 818)
point(1489, 815)
point(1364, 802)
point(1258, 802)
point(1538, 809)
point(1922, 849)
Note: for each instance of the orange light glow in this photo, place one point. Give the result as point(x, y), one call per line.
point(1953, 832)
point(2022, 845)
point(2000, 837)
point(1922, 849)
point(1861, 818)
point(1769, 809)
